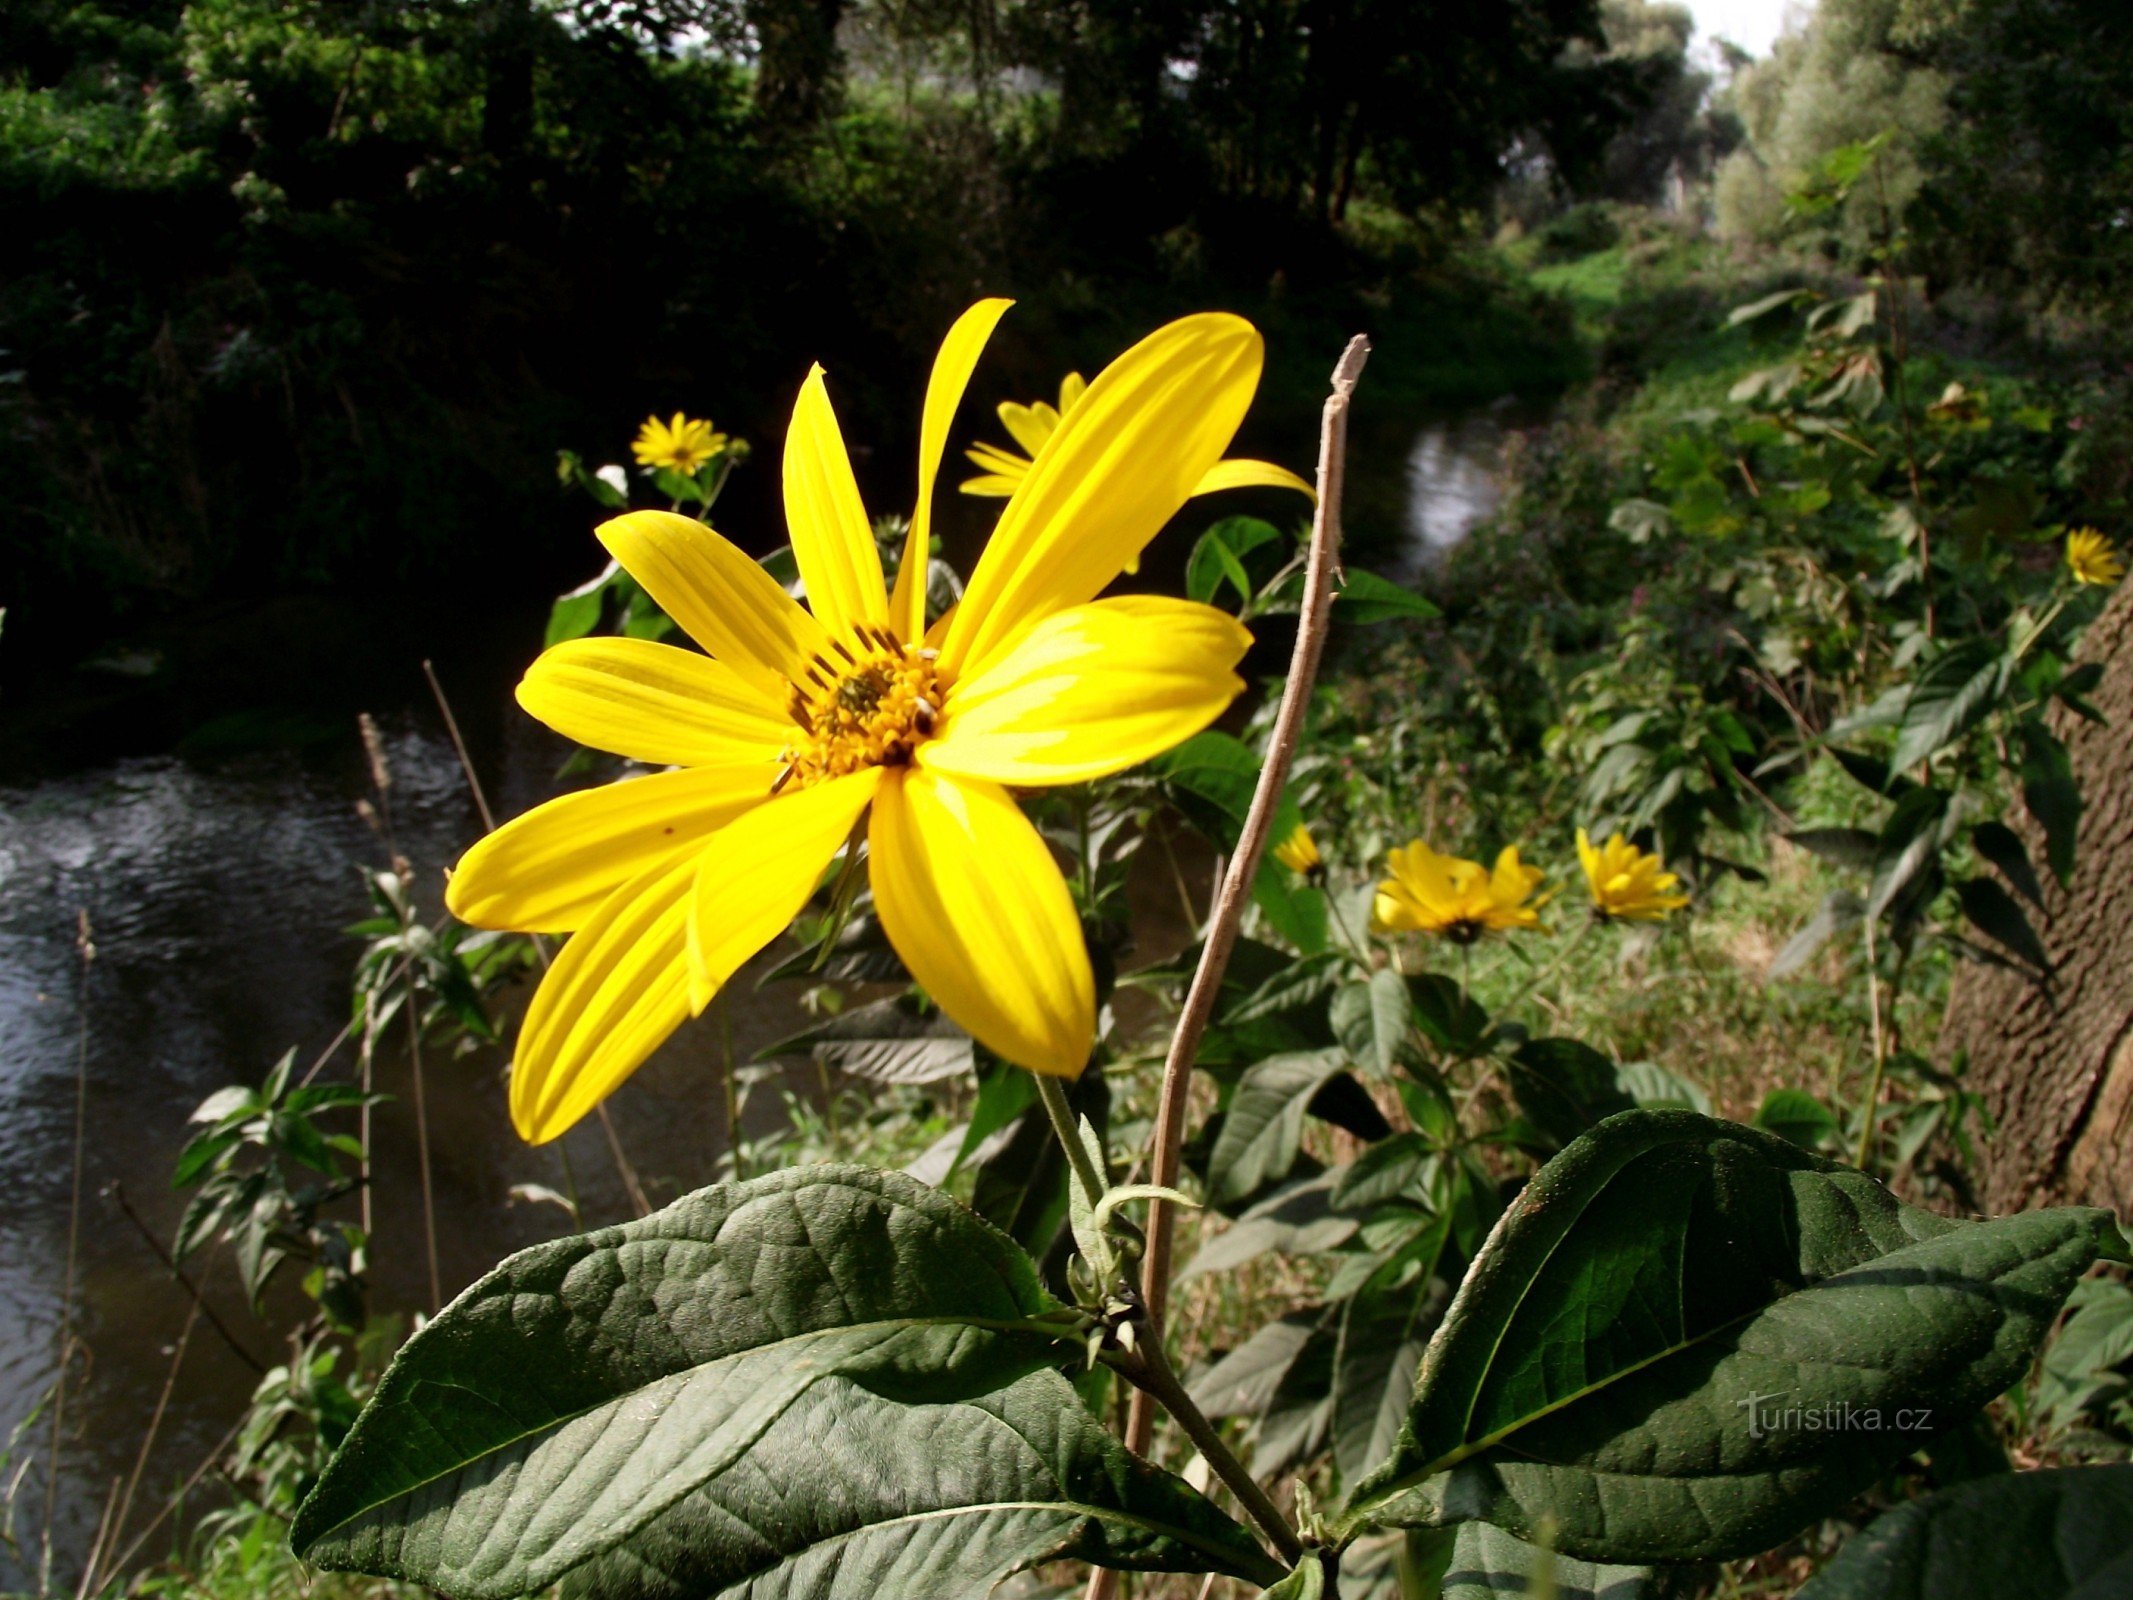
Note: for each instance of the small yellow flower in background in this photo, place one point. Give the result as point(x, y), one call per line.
point(2092, 558)
point(802, 729)
point(1628, 884)
point(682, 445)
point(1299, 853)
point(1456, 899)
point(1032, 426)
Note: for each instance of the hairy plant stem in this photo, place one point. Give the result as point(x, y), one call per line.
point(1321, 573)
point(1150, 1372)
point(1868, 1113)
point(1053, 1093)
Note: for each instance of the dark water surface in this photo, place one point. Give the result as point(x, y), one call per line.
point(215, 881)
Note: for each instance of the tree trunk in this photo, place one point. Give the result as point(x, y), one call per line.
point(2055, 1064)
point(798, 65)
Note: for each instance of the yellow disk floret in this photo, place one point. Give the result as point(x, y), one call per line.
point(866, 707)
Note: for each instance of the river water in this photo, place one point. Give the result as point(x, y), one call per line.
point(211, 887)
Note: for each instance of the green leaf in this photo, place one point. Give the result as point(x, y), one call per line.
point(1948, 699)
point(921, 1502)
point(1909, 845)
point(1797, 1117)
point(1654, 1088)
point(1842, 847)
point(1564, 1086)
point(1372, 1020)
point(1840, 910)
point(1297, 1219)
point(1368, 598)
point(1488, 1563)
point(884, 1041)
point(1687, 1339)
point(1243, 1382)
point(1381, 1341)
point(1308, 1581)
point(577, 613)
point(231, 1101)
point(1218, 556)
point(1756, 309)
point(1262, 1130)
point(580, 1391)
point(1004, 1093)
point(1453, 1019)
point(1386, 1171)
point(1640, 521)
point(1211, 778)
point(2062, 1534)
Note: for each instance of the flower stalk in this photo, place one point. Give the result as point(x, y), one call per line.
point(1150, 1372)
point(1320, 577)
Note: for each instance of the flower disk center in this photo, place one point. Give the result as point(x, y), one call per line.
point(869, 707)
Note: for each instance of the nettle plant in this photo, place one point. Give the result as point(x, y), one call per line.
point(836, 1381)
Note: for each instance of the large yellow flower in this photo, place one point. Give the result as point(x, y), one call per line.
point(682, 445)
point(2092, 558)
point(1000, 472)
point(1626, 883)
point(803, 729)
point(1456, 899)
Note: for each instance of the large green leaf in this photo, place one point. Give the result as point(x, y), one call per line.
point(1374, 1021)
point(888, 1041)
point(853, 1497)
point(2064, 1534)
point(1948, 698)
point(1263, 1128)
point(1212, 777)
point(1296, 1219)
point(1564, 1086)
point(1687, 1338)
point(576, 1394)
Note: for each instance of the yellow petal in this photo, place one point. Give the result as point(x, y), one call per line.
point(993, 459)
point(945, 387)
point(1071, 388)
point(652, 702)
point(971, 899)
point(1119, 466)
point(1243, 473)
point(1090, 691)
point(549, 870)
point(721, 598)
point(992, 486)
point(755, 876)
point(1029, 426)
point(617, 990)
point(831, 539)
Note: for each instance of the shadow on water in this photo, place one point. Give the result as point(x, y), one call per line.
point(215, 880)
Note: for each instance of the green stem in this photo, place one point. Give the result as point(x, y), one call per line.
point(1360, 949)
point(2043, 626)
point(733, 1089)
point(842, 896)
point(1053, 1094)
point(1562, 958)
point(1869, 1113)
point(1149, 1369)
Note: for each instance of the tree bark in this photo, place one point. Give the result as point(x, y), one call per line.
point(2054, 1063)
